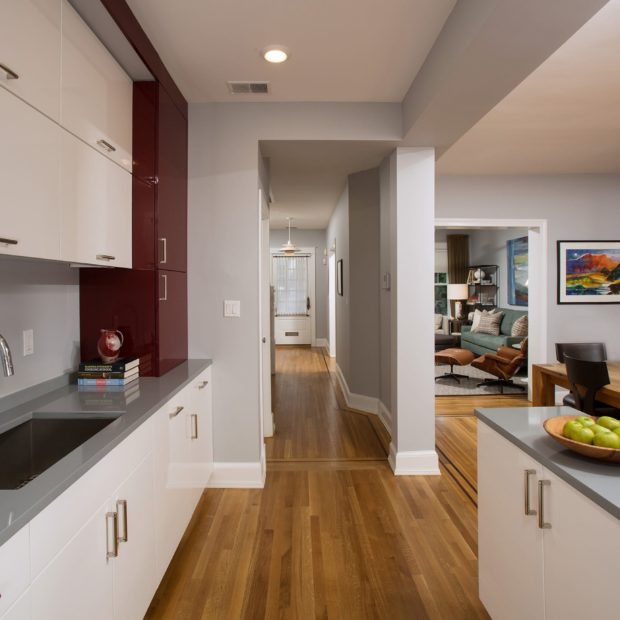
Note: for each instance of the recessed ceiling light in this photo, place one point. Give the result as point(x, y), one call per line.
point(275, 54)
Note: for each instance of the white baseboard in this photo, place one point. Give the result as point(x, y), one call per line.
point(416, 463)
point(320, 342)
point(238, 475)
point(368, 404)
point(385, 415)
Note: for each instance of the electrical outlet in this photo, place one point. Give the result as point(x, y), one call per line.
point(28, 338)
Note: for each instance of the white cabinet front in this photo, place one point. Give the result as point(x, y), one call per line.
point(29, 176)
point(30, 52)
point(14, 569)
point(97, 95)
point(510, 544)
point(582, 548)
point(78, 582)
point(96, 202)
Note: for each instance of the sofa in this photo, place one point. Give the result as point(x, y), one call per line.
point(486, 343)
point(441, 324)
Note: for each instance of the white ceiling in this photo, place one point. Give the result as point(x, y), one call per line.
point(308, 178)
point(562, 119)
point(341, 50)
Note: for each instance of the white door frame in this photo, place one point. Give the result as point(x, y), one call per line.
point(264, 320)
point(537, 286)
point(311, 284)
point(331, 296)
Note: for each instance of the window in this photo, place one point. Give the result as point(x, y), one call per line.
point(441, 293)
point(290, 280)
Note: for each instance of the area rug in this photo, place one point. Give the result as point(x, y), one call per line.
point(468, 387)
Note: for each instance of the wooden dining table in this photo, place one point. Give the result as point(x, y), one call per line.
point(546, 376)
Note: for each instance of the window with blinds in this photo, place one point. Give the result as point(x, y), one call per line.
point(290, 280)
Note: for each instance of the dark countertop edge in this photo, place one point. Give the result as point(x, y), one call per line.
point(6, 533)
point(597, 498)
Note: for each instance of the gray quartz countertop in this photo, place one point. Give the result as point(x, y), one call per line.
point(523, 426)
point(18, 507)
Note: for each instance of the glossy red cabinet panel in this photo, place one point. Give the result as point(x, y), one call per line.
point(171, 319)
point(171, 167)
point(148, 306)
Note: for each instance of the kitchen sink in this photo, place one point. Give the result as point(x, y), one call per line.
point(30, 448)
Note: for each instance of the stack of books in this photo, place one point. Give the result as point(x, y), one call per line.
point(118, 374)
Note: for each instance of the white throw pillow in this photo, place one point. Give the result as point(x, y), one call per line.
point(438, 321)
point(476, 320)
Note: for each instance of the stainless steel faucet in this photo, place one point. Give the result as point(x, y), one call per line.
point(5, 354)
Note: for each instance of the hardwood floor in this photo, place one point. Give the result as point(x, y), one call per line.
point(310, 423)
point(334, 534)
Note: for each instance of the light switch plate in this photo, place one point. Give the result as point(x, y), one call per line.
point(28, 339)
point(232, 308)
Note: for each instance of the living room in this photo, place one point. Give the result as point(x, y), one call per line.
point(481, 272)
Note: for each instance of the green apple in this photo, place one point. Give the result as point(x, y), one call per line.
point(584, 435)
point(597, 428)
point(607, 440)
point(585, 420)
point(570, 427)
point(617, 431)
point(608, 422)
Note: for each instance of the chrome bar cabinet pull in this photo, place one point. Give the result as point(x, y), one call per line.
point(6, 241)
point(203, 385)
point(105, 257)
point(175, 413)
point(541, 505)
point(10, 74)
point(165, 297)
point(113, 516)
point(106, 146)
point(164, 243)
point(194, 419)
point(121, 509)
point(526, 485)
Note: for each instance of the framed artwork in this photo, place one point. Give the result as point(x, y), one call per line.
point(517, 271)
point(339, 280)
point(588, 272)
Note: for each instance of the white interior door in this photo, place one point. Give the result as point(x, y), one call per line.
point(332, 305)
point(265, 317)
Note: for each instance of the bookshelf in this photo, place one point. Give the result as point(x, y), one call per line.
point(483, 286)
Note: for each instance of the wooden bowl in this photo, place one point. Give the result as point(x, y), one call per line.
point(554, 427)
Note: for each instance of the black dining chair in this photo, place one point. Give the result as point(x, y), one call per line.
point(591, 376)
point(592, 351)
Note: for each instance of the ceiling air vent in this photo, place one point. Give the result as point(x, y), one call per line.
point(248, 88)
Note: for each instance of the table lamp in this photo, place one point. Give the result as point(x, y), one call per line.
point(458, 293)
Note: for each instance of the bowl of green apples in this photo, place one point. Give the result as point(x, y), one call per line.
point(598, 438)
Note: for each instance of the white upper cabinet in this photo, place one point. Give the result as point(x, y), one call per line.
point(97, 94)
point(30, 52)
point(96, 207)
point(29, 177)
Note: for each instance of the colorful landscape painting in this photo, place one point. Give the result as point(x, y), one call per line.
point(517, 271)
point(589, 271)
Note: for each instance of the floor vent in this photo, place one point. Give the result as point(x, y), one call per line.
point(248, 88)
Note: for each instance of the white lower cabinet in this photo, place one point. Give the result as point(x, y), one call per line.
point(556, 564)
point(99, 550)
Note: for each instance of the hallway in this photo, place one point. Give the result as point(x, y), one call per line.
point(334, 534)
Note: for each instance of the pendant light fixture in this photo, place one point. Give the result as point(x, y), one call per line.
point(288, 247)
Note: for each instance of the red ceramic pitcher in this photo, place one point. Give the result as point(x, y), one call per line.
point(109, 345)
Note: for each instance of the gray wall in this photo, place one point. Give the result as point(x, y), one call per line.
point(338, 231)
point(223, 240)
point(43, 296)
point(310, 239)
point(364, 363)
point(489, 247)
point(575, 207)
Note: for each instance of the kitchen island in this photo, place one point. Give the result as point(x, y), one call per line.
point(548, 521)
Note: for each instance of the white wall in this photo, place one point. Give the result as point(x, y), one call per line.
point(385, 295)
point(223, 240)
point(338, 232)
point(575, 206)
point(304, 238)
point(43, 296)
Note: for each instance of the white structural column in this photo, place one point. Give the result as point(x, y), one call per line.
point(412, 451)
